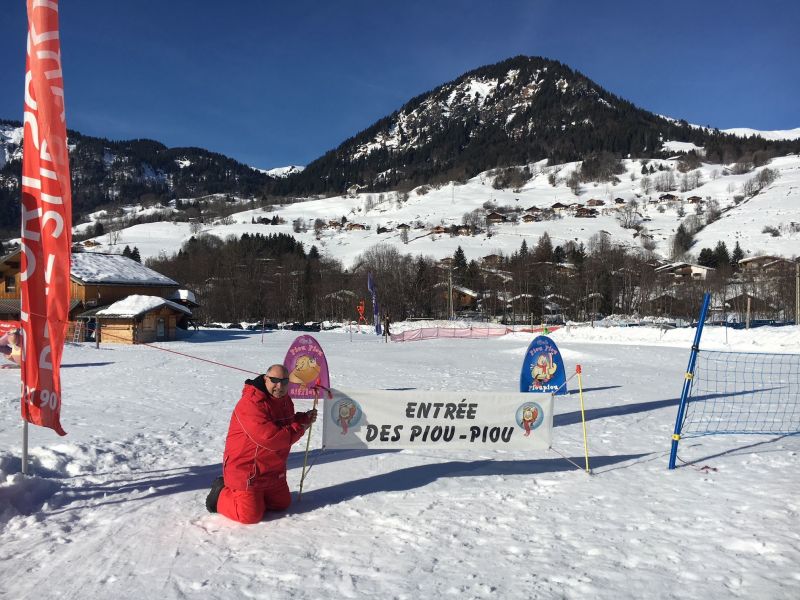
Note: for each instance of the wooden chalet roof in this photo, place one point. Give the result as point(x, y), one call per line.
point(96, 268)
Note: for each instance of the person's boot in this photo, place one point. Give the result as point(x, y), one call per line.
point(213, 495)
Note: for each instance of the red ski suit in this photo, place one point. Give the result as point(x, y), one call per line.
point(262, 430)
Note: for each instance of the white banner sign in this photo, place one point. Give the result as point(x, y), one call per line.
point(453, 420)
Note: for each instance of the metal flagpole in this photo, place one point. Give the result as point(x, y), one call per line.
point(24, 446)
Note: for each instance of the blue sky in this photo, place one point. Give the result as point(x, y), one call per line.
point(273, 84)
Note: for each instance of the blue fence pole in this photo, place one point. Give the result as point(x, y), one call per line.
point(687, 382)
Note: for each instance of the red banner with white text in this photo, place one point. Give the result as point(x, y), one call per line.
point(46, 220)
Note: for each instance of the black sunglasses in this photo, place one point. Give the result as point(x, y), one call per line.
point(283, 380)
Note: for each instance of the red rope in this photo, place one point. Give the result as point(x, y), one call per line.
point(213, 362)
point(105, 333)
point(111, 335)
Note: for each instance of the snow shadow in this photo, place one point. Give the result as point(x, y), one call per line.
point(753, 448)
point(418, 476)
point(204, 336)
point(144, 485)
point(321, 457)
point(571, 418)
point(593, 389)
point(25, 496)
point(147, 485)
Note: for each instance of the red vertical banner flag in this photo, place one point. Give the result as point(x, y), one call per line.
point(46, 220)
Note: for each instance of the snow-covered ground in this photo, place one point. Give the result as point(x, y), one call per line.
point(785, 134)
point(116, 508)
point(777, 206)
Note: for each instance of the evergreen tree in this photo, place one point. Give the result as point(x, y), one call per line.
point(721, 256)
point(544, 249)
point(707, 258)
point(577, 255)
point(523, 251)
point(472, 279)
point(127, 252)
point(459, 263)
point(736, 256)
point(135, 254)
point(682, 241)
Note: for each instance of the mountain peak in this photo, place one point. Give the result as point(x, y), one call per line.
point(517, 111)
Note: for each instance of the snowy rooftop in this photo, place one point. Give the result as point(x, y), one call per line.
point(136, 305)
point(184, 296)
point(92, 267)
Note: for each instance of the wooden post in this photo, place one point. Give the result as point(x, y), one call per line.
point(748, 312)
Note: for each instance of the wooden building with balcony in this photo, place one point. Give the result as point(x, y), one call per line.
point(96, 280)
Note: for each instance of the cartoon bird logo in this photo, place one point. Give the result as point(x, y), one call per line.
point(529, 416)
point(543, 370)
point(347, 410)
point(306, 370)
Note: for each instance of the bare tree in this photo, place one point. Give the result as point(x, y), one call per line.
point(695, 179)
point(713, 212)
point(629, 216)
point(574, 182)
point(473, 219)
point(665, 181)
point(114, 235)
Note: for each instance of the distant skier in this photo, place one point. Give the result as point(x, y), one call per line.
point(387, 321)
point(263, 428)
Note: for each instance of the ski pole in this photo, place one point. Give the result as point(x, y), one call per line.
point(308, 445)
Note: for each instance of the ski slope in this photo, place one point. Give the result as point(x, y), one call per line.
point(116, 508)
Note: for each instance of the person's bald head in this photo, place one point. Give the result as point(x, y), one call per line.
point(277, 380)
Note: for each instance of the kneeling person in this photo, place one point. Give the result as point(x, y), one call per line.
point(262, 430)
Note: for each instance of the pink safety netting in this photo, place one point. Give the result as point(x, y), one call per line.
point(428, 333)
